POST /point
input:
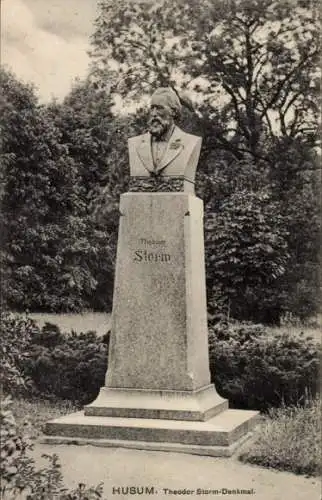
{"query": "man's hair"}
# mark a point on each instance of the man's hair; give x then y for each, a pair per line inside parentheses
(167, 97)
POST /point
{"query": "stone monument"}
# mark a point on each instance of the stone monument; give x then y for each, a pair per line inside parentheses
(157, 393)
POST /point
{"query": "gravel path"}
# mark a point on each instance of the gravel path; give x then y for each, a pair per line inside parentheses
(163, 473)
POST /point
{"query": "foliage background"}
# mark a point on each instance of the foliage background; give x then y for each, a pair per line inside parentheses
(250, 69)
(250, 365)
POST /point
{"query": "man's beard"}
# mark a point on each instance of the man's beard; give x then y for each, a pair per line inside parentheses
(158, 126)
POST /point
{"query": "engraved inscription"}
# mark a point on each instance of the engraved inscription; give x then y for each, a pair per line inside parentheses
(146, 256)
(144, 241)
(153, 254)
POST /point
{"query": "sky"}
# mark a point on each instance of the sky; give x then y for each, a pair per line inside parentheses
(46, 42)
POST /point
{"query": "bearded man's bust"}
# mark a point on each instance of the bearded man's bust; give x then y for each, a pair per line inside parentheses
(165, 158)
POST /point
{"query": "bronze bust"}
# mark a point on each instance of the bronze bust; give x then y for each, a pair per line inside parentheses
(165, 158)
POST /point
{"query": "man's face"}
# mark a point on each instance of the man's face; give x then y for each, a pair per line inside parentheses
(160, 120)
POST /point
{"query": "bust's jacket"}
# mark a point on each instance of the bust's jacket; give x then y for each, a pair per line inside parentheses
(180, 158)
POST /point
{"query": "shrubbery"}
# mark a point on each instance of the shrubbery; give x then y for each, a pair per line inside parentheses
(16, 334)
(258, 370)
(251, 366)
(20, 478)
(50, 363)
(67, 366)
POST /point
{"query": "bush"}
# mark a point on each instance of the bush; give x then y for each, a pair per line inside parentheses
(13, 444)
(48, 363)
(16, 334)
(246, 249)
(67, 366)
(252, 366)
(289, 439)
(19, 476)
(257, 370)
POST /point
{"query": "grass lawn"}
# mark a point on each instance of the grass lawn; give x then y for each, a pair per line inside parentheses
(307, 331)
(101, 322)
(32, 415)
(289, 439)
(98, 322)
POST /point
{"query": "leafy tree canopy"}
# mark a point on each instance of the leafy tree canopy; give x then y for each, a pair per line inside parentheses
(252, 64)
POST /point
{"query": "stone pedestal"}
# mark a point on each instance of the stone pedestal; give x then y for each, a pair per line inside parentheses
(159, 324)
(157, 388)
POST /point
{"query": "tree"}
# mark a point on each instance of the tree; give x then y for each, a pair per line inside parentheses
(64, 167)
(252, 67)
(256, 61)
(296, 181)
(263, 56)
(247, 254)
(96, 143)
(42, 207)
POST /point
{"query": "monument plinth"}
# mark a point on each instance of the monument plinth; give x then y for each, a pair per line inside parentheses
(158, 394)
(158, 357)
(159, 312)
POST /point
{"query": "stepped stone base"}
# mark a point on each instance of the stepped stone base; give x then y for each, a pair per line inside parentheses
(212, 451)
(218, 436)
(157, 392)
(199, 405)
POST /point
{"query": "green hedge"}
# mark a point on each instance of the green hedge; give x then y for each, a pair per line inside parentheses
(67, 366)
(250, 366)
(51, 364)
(256, 369)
